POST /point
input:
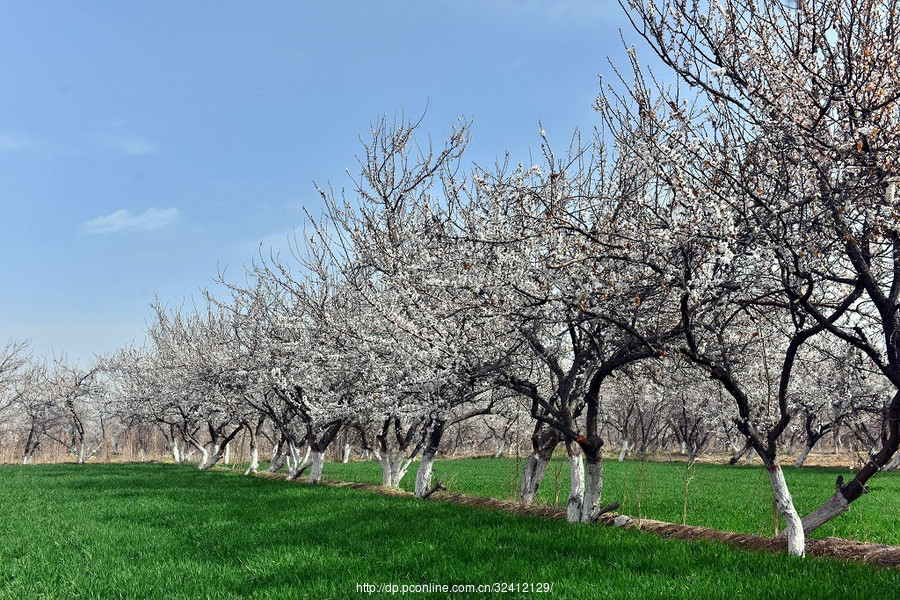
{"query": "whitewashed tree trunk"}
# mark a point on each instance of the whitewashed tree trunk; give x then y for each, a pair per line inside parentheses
(576, 489)
(424, 474)
(803, 455)
(683, 448)
(835, 506)
(226, 455)
(253, 467)
(626, 446)
(318, 461)
(393, 468)
(532, 477)
(296, 464)
(176, 452)
(345, 453)
(894, 463)
(500, 448)
(795, 536)
(593, 489)
(204, 459)
(278, 456)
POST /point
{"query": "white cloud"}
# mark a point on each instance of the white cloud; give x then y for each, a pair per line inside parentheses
(129, 144)
(122, 220)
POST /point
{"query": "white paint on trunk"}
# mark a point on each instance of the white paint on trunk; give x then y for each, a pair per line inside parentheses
(501, 446)
(835, 506)
(803, 455)
(625, 448)
(424, 474)
(532, 477)
(253, 467)
(593, 490)
(204, 458)
(576, 489)
(393, 468)
(278, 456)
(296, 464)
(318, 461)
(227, 454)
(751, 454)
(345, 454)
(785, 504)
(894, 463)
(176, 452)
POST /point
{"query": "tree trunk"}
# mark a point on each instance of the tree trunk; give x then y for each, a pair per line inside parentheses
(425, 473)
(593, 489)
(426, 465)
(501, 446)
(393, 468)
(576, 489)
(857, 486)
(214, 458)
(751, 454)
(738, 454)
(836, 505)
(802, 458)
(318, 461)
(278, 456)
(345, 453)
(625, 447)
(532, 477)
(895, 462)
(296, 465)
(176, 452)
(795, 536)
(253, 467)
(204, 459)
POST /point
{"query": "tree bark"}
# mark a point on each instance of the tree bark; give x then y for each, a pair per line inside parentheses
(593, 489)
(544, 441)
(204, 458)
(532, 477)
(393, 468)
(625, 447)
(424, 473)
(857, 486)
(576, 488)
(802, 458)
(795, 535)
(278, 456)
(318, 461)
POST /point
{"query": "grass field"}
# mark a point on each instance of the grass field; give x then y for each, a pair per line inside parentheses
(730, 498)
(162, 531)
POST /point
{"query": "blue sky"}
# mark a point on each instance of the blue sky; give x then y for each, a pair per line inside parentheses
(144, 146)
